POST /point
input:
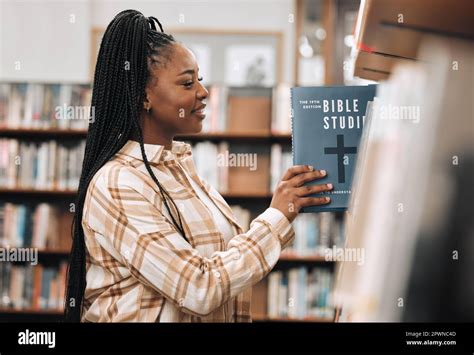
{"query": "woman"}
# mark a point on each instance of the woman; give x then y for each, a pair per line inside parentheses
(153, 241)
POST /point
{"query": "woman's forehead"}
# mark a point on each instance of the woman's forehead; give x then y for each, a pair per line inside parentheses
(182, 59)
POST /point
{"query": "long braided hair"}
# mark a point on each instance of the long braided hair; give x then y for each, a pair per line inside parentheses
(131, 45)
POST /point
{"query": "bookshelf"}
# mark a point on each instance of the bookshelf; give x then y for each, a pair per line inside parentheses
(253, 121)
(266, 133)
(390, 32)
(414, 50)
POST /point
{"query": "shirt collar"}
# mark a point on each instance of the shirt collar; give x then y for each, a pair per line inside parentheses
(156, 153)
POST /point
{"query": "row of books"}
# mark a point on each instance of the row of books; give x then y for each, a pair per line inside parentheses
(40, 165)
(39, 225)
(281, 159)
(43, 106)
(316, 234)
(32, 287)
(300, 292)
(281, 109)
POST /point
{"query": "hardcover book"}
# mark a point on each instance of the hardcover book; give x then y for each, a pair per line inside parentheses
(327, 124)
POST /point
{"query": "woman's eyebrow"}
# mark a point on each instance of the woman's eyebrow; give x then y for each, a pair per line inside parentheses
(188, 71)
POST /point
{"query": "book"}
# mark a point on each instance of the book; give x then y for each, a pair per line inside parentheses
(327, 124)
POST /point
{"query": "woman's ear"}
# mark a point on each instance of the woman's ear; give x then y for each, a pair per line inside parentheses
(146, 102)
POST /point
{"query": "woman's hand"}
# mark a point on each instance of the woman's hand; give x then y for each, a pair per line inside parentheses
(289, 194)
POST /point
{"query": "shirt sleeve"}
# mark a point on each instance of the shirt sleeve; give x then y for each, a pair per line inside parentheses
(157, 255)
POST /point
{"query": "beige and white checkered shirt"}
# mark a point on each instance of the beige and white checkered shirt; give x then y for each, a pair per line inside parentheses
(140, 268)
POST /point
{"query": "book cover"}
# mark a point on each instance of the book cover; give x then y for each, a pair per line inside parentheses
(327, 124)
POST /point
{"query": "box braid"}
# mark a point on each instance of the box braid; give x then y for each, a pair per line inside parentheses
(131, 45)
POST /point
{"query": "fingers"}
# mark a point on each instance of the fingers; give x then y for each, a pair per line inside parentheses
(312, 189)
(300, 179)
(295, 170)
(313, 201)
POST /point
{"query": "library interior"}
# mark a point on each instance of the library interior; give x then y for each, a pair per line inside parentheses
(402, 248)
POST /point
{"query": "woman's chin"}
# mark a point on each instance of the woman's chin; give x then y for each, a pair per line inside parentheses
(194, 128)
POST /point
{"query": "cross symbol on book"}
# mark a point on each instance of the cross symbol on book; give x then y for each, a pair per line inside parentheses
(341, 151)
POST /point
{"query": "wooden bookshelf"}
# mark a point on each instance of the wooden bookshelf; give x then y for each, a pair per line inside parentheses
(31, 311)
(244, 129)
(391, 32)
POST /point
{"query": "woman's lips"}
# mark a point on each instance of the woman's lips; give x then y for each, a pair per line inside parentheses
(200, 113)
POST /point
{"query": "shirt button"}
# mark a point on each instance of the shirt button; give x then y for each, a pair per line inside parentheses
(217, 274)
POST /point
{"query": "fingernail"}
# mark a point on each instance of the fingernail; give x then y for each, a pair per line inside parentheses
(310, 168)
(327, 199)
(329, 186)
(323, 172)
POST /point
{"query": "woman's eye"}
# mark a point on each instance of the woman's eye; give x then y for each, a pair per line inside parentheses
(190, 83)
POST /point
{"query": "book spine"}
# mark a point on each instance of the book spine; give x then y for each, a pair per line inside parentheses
(292, 117)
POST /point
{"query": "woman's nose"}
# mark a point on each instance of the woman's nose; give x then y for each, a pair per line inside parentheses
(202, 93)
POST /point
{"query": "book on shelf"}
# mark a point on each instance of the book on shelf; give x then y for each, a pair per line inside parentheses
(45, 106)
(41, 165)
(281, 109)
(40, 225)
(300, 292)
(280, 160)
(327, 124)
(30, 287)
(316, 235)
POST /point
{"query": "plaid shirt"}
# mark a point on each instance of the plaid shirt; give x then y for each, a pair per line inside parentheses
(140, 268)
